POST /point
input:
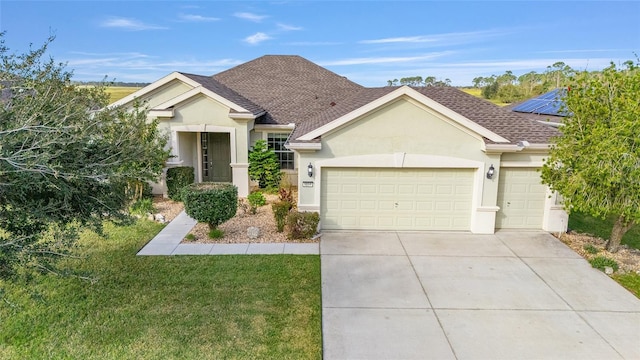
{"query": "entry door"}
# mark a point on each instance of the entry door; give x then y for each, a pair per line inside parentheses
(216, 157)
(521, 197)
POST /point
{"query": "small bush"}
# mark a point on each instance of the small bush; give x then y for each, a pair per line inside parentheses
(178, 178)
(141, 207)
(280, 211)
(256, 199)
(600, 262)
(590, 249)
(211, 203)
(216, 234)
(190, 237)
(302, 225)
(286, 194)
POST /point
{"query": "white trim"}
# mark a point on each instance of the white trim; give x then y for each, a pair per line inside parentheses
(501, 148)
(208, 128)
(245, 116)
(154, 86)
(206, 92)
(301, 147)
(161, 113)
(273, 128)
(403, 91)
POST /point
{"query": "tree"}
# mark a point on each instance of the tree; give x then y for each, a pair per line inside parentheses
(595, 164)
(264, 166)
(65, 159)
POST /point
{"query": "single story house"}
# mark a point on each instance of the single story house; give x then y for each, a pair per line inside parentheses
(387, 158)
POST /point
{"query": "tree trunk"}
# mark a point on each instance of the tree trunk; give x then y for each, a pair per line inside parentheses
(620, 228)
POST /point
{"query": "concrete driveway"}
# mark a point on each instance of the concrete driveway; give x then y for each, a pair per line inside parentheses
(512, 295)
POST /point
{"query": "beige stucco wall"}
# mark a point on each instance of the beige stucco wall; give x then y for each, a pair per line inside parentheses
(403, 126)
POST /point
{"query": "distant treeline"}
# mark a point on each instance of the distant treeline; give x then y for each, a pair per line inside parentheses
(114, 83)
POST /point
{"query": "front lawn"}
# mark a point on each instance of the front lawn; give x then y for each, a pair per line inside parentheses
(602, 228)
(180, 307)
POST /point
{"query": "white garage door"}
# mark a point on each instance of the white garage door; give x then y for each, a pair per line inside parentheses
(521, 198)
(396, 199)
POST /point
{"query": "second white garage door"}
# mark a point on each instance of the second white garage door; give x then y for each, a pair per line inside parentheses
(396, 199)
(521, 197)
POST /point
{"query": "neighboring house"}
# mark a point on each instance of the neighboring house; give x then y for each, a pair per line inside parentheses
(389, 158)
(546, 108)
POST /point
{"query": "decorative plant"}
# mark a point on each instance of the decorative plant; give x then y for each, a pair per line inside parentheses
(264, 166)
(256, 199)
(211, 203)
(177, 178)
(280, 211)
(302, 225)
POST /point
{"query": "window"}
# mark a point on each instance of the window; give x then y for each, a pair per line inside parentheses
(276, 142)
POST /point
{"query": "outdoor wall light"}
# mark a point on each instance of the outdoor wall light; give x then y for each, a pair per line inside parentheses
(491, 171)
(310, 170)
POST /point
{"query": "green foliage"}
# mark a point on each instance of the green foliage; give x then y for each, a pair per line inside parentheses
(594, 164)
(211, 203)
(65, 158)
(256, 199)
(216, 234)
(142, 207)
(302, 225)
(264, 166)
(280, 211)
(590, 249)
(190, 237)
(631, 281)
(600, 262)
(177, 178)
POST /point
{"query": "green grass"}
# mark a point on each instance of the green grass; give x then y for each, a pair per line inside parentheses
(586, 224)
(118, 92)
(478, 93)
(631, 281)
(178, 307)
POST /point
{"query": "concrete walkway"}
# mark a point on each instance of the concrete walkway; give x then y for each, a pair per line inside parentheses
(168, 242)
(512, 295)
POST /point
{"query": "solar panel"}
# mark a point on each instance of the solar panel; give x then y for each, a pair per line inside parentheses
(545, 104)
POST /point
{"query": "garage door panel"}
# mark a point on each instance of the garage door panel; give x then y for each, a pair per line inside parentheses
(400, 199)
(521, 198)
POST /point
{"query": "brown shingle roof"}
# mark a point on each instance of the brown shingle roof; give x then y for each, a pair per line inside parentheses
(290, 88)
(503, 122)
(211, 84)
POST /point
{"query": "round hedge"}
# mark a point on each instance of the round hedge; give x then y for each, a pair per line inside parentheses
(211, 203)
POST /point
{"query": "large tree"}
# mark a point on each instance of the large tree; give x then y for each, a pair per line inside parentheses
(595, 163)
(65, 159)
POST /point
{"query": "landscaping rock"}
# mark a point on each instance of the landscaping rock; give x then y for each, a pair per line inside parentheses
(608, 270)
(253, 232)
(150, 217)
(159, 218)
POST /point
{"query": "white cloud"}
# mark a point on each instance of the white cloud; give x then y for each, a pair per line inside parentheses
(447, 38)
(196, 18)
(384, 60)
(250, 16)
(285, 27)
(129, 24)
(257, 38)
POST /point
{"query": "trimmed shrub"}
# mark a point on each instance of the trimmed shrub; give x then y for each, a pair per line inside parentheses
(280, 211)
(178, 178)
(302, 225)
(211, 203)
(216, 234)
(256, 199)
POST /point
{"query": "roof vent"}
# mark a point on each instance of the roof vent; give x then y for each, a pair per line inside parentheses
(332, 104)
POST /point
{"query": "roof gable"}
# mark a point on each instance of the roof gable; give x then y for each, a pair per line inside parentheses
(388, 95)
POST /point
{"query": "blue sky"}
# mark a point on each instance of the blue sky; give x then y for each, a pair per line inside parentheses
(370, 42)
